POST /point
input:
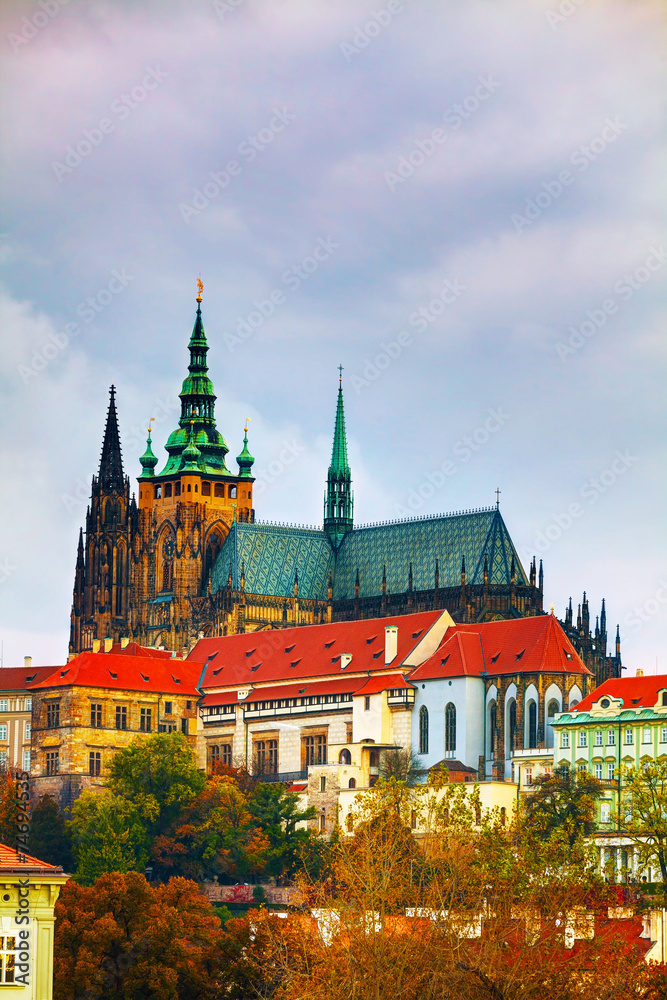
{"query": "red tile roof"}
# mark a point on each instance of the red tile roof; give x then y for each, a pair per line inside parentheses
(640, 692)
(9, 862)
(18, 678)
(511, 646)
(134, 649)
(383, 682)
(340, 685)
(126, 673)
(307, 651)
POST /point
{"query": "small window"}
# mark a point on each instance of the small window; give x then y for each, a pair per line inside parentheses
(52, 762)
(605, 703)
(323, 784)
(158, 492)
(503, 815)
(28, 730)
(663, 734)
(95, 763)
(598, 737)
(646, 736)
(564, 741)
(423, 730)
(232, 493)
(177, 489)
(352, 783)
(26, 760)
(188, 706)
(53, 715)
(629, 739)
(413, 819)
(4, 705)
(345, 757)
(206, 489)
(184, 726)
(664, 698)
(8, 956)
(611, 738)
(528, 776)
(96, 716)
(598, 772)
(367, 703)
(583, 738)
(28, 705)
(323, 820)
(219, 490)
(168, 708)
(605, 812)
(167, 489)
(145, 720)
(3, 732)
(611, 770)
(121, 717)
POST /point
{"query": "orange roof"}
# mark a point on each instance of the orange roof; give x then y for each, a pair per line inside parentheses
(383, 682)
(134, 649)
(633, 691)
(18, 678)
(511, 646)
(126, 673)
(339, 685)
(12, 861)
(307, 651)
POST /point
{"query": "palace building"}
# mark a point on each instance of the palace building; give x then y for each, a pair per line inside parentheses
(187, 557)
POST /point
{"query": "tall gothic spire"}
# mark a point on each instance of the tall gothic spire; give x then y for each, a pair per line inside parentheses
(111, 461)
(339, 499)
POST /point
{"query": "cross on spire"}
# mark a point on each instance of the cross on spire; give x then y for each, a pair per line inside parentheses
(498, 492)
(340, 373)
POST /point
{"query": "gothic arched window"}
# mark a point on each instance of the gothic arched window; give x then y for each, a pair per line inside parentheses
(532, 725)
(345, 757)
(450, 730)
(423, 729)
(511, 725)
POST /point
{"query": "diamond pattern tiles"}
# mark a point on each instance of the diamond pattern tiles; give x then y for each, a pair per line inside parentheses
(270, 554)
(446, 538)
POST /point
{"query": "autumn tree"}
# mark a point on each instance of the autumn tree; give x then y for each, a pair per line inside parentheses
(645, 811)
(564, 802)
(276, 814)
(159, 776)
(402, 764)
(123, 938)
(8, 829)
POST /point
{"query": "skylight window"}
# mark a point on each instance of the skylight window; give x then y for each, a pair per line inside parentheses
(145, 678)
(568, 654)
(250, 652)
(519, 655)
(371, 639)
(294, 663)
(379, 653)
(328, 645)
(64, 673)
(256, 667)
(494, 658)
(115, 676)
(175, 679)
(288, 649)
(216, 672)
(415, 635)
(30, 678)
(212, 656)
(444, 660)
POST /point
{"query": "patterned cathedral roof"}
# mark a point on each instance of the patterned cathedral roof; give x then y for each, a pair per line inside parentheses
(270, 555)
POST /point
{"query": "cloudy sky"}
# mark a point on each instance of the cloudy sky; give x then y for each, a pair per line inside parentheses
(457, 200)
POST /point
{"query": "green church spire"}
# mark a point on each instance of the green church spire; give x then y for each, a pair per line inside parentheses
(339, 498)
(148, 460)
(196, 426)
(245, 459)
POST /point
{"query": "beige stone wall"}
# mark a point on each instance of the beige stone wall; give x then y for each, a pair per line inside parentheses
(75, 738)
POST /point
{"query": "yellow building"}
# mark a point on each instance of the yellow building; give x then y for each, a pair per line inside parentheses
(28, 892)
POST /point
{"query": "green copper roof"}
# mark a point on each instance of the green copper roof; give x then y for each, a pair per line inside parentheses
(339, 463)
(148, 460)
(245, 459)
(447, 538)
(270, 554)
(196, 425)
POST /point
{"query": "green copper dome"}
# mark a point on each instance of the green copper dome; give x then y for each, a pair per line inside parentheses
(196, 425)
(148, 460)
(245, 459)
(191, 454)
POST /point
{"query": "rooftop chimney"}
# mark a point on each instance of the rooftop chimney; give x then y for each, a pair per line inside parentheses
(27, 662)
(345, 659)
(124, 642)
(390, 643)
(639, 673)
(96, 645)
(108, 643)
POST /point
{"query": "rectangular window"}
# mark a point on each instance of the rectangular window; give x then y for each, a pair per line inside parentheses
(28, 704)
(582, 738)
(528, 775)
(8, 951)
(663, 734)
(598, 737)
(28, 730)
(52, 762)
(96, 716)
(3, 732)
(315, 748)
(564, 741)
(598, 772)
(188, 706)
(145, 720)
(348, 732)
(611, 738)
(323, 784)
(95, 763)
(605, 812)
(646, 737)
(3, 760)
(121, 717)
(168, 708)
(611, 770)
(26, 760)
(582, 769)
(628, 737)
(4, 705)
(367, 703)
(184, 726)
(53, 715)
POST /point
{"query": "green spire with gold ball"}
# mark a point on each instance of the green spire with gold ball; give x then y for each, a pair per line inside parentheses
(245, 459)
(339, 498)
(148, 459)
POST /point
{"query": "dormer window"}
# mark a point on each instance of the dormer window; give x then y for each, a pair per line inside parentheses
(664, 699)
(519, 655)
(605, 703)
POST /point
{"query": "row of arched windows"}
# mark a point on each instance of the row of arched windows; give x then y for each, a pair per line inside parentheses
(450, 730)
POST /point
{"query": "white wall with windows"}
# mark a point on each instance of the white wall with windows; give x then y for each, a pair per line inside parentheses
(454, 714)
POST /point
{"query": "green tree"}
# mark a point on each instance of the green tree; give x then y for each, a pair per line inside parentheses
(108, 834)
(563, 803)
(50, 838)
(276, 813)
(159, 775)
(645, 810)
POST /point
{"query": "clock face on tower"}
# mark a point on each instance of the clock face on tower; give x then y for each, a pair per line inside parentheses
(168, 548)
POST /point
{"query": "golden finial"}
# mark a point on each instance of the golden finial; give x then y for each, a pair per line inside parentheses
(551, 610)
(247, 421)
(200, 289)
(149, 426)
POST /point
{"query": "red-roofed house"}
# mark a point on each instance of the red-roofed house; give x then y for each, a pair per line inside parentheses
(15, 713)
(86, 710)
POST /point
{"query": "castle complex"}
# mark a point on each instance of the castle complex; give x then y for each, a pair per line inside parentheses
(188, 559)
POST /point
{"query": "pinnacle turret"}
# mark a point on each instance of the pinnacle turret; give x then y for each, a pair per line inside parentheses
(339, 499)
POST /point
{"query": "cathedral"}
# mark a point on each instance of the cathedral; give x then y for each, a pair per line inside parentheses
(188, 558)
